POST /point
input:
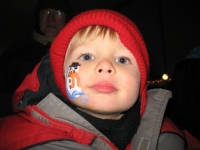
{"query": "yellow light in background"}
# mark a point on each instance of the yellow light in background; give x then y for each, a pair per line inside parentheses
(164, 76)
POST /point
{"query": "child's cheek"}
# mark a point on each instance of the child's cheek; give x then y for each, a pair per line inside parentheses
(73, 83)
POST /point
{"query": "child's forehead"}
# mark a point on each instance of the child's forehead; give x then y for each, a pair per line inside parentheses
(90, 33)
(96, 40)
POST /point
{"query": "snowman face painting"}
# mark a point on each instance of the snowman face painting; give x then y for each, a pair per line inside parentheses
(73, 84)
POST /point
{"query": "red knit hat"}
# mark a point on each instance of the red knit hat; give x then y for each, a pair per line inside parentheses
(128, 33)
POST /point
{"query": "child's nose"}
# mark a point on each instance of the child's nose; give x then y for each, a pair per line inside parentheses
(105, 66)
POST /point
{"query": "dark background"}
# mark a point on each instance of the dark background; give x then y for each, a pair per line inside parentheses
(170, 28)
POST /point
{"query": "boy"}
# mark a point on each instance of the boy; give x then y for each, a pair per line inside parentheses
(100, 64)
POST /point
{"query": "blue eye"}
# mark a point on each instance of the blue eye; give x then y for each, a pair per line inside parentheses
(86, 57)
(122, 60)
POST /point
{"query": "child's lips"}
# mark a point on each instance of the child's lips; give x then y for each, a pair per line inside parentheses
(104, 87)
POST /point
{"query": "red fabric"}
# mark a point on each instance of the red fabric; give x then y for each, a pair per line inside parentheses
(129, 35)
(192, 142)
(31, 82)
(14, 135)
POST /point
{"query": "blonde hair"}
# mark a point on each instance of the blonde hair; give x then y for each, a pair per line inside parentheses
(90, 33)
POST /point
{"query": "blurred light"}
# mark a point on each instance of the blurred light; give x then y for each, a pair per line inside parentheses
(164, 76)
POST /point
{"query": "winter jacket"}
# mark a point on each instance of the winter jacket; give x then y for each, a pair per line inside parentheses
(44, 121)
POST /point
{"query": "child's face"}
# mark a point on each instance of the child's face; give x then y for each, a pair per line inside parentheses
(109, 78)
